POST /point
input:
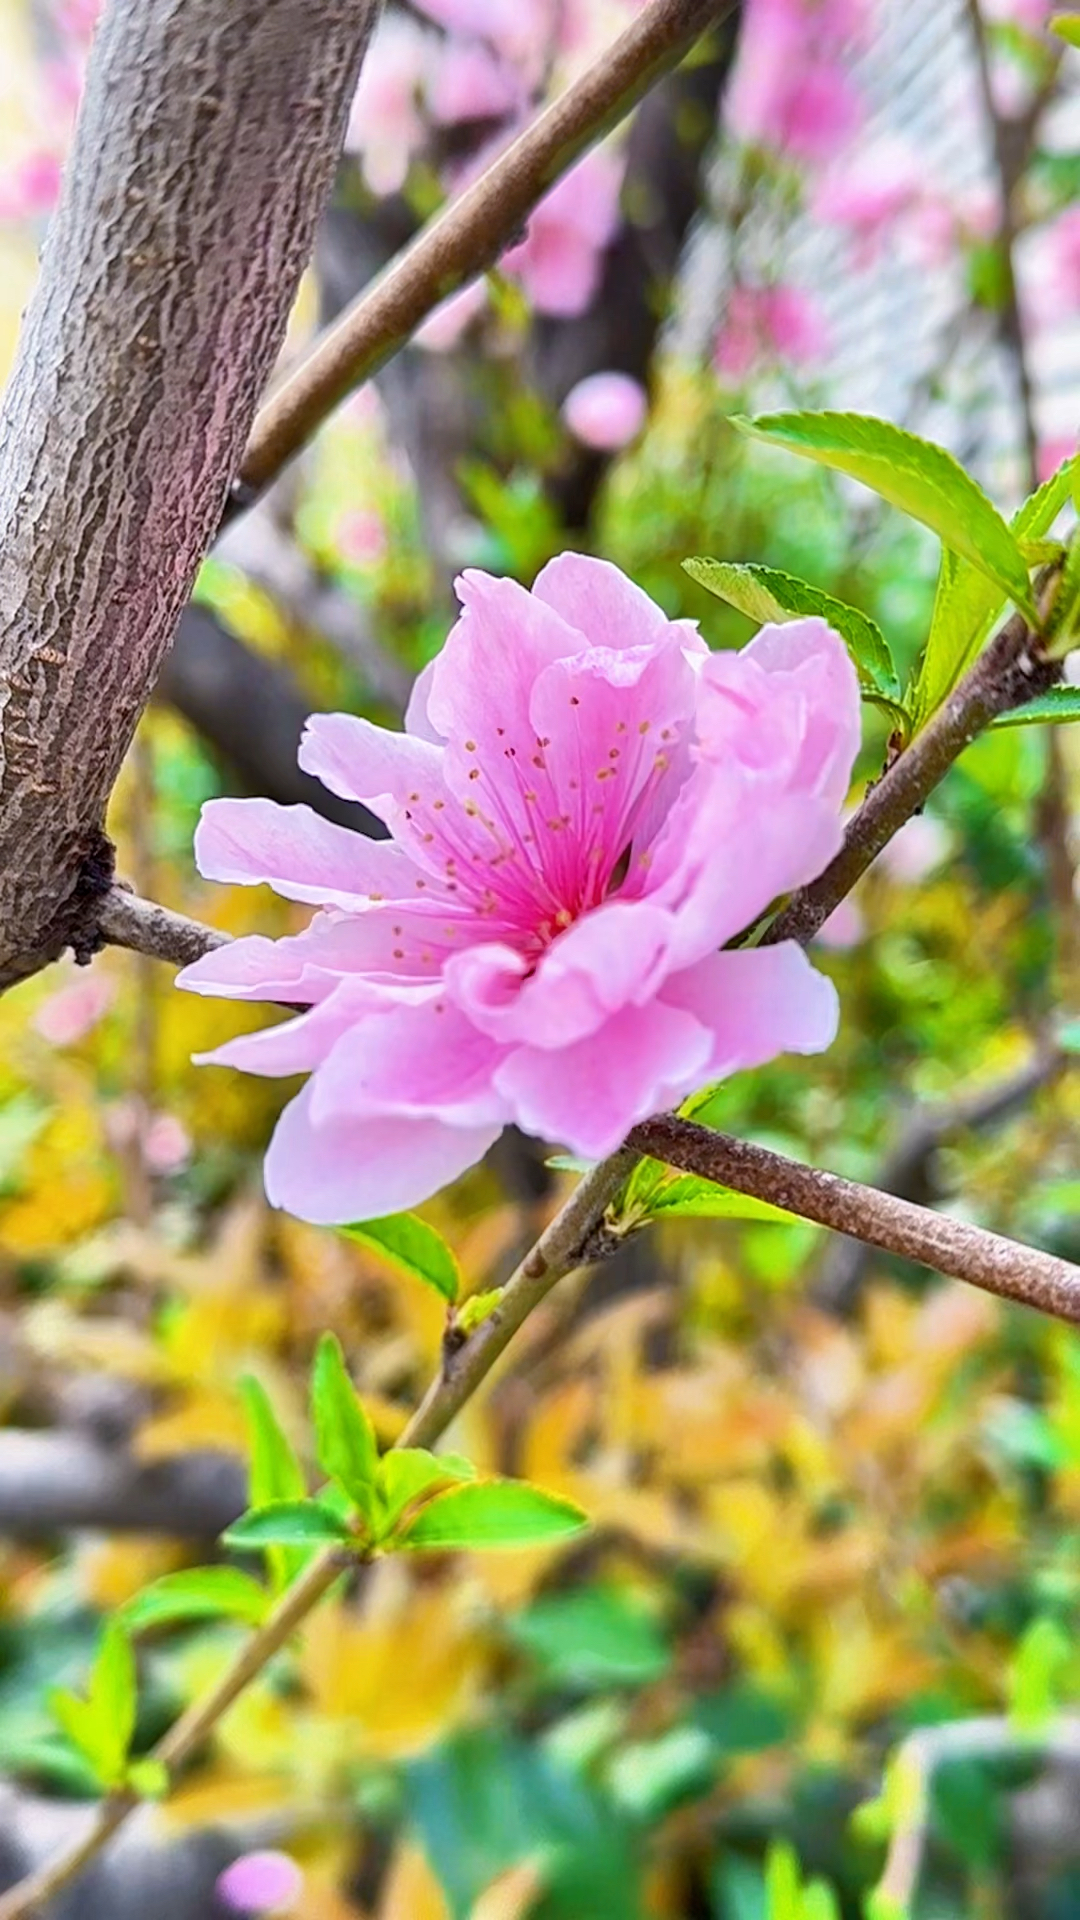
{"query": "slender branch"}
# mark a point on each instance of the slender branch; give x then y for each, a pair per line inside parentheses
(124, 920)
(469, 236)
(988, 1738)
(1009, 672)
(954, 1247)
(907, 1170)
(556, 1252)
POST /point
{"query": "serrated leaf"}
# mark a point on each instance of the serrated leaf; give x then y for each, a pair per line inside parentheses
(414, 1247)
(274, 1473)
(288, 1523)
(198, 1593)
(345, 1440)
(922, 479)
(765, 594)
(407, 1473)
(1056, 706)
(1066, 26)
(688, 1197)
(492, 1513)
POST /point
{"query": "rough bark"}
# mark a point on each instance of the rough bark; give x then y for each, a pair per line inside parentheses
(205, 150)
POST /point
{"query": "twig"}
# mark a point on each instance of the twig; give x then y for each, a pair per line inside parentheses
(469, 236)
(556, 1252)
(983, 1259)
(1008, 673)
(921, 1754)
(907, 1168)
(125, 920)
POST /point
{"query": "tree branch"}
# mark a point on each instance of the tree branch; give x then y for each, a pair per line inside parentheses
(205, 149)
(983, 1259)
(470, 234)
(143, 927)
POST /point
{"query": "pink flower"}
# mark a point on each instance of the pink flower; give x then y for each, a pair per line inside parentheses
(469, 83)
(844, 928)
(386, 126)
(73, 1012)
(790, 88)
(1053, 451)
(443, 329)
(261, 1883)
(888, 184)
(585, 806)
(559, 260)
(767, 323)
(605, 410)
(33, 187)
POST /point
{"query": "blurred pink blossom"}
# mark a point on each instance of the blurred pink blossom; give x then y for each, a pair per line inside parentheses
(922, 844)
(261, 1883)
(32, 188)
(469, 83)
(767, 323)
(606, 410)
(1053, 451)
(386, 124)
(869, 200)
(361, 536)
(559, 261)
(166, 1144)
(443, 329)
(791, 88)
(585, 806)
(844, 928)
(70, 1014)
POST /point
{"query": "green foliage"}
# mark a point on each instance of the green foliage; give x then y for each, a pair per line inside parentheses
(100, 1725)
(492, 1513)
(413, 1247)
(407, 1474)
(1056, 706)
(1039, 1668)
(197, 1593)
(1066, 26)
(274, 1474)
(288, 1523)
(766, 594)
(656, 1192)
(922, 479)
(597, 1638)
(344, 1438)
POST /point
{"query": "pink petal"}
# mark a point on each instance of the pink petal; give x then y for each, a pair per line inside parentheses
(757, 1002)
(589, 1095)
(299, 1045)
(422, 1057)
(360, 1169)
(610, 958)
(260, 1883)
(606, 608)
(818, 670)
(299, 854)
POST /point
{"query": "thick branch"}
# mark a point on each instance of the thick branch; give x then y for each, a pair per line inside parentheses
(469, 236)
(985, 1260)
(205, 149)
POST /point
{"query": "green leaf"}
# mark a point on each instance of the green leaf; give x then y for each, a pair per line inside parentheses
(288, 1523)
(476, 1309)
(1038, 1675)
(199, 1593)
(1056, 705)
(344, 1437)
(766, 594)
(101, 1725)
(1066, 26)
(275, 1473)
(593, 1637)
(413, 1246)
(407, 1473)
(921, 479)
(782, 1882)
(967, 605)
(149, 1777)
(493, 1513)
(689, 1197)
(1069, 1037)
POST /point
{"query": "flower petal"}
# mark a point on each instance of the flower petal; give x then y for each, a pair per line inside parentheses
(589, 1095)
(606, 608)
(360, 1169)
(757, 1002)
(300, 855)
(418, 1057)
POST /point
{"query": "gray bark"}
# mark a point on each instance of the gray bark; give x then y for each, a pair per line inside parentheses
(205, 150)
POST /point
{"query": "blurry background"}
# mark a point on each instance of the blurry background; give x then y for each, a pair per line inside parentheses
(837, 1500)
